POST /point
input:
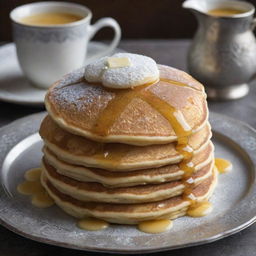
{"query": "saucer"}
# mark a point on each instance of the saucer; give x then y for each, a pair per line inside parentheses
(15, 88)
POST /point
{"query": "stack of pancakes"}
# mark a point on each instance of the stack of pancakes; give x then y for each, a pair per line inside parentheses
(129, 155)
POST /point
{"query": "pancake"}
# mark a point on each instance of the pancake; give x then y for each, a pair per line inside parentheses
(115, 156)
(130, 213)
(141, 116)
(96, 192)
(126, 179)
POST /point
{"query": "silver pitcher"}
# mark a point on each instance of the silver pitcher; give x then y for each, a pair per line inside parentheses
(223, 53)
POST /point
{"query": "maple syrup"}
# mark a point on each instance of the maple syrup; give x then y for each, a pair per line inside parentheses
(199, 209)
(33, 187)
(115, 108)
(155, 226)
(92, 224)
(223, 165)
(182, 130)
(33, 174)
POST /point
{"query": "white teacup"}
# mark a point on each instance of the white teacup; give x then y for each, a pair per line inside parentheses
(48, 52)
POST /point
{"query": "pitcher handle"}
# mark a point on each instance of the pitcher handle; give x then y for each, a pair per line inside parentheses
(253, 24)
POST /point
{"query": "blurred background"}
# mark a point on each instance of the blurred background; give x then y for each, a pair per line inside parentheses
(161, 19)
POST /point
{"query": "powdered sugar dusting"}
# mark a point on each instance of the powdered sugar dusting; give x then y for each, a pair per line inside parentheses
(81, 97)
(72, 91)
(94, 71)
(142, 70)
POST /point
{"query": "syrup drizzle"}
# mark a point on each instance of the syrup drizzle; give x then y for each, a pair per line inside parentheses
(169, 81)
(182, 130)
(182, 146)
(115, 108)
(199, 209)
(123, 97)
(33, 187)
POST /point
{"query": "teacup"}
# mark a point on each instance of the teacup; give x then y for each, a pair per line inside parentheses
(47, 52)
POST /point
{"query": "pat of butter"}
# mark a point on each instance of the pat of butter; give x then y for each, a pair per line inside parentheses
(118, 62)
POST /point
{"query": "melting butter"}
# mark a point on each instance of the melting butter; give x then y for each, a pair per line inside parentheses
(92, 224)
(33, 187)
(115, 62)
(155, 226)
(223, 165)
(200, 209)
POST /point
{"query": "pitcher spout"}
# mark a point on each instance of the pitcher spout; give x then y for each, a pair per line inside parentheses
(198, 8)
(194, 5)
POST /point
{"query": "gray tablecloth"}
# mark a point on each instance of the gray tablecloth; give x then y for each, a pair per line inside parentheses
(169, 52)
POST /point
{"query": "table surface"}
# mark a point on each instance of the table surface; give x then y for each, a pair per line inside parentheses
(168, 52)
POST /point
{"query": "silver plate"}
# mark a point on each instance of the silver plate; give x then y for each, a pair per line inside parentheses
(234, 201)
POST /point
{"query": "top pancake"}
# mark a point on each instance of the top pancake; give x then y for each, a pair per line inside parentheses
(133, 116)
